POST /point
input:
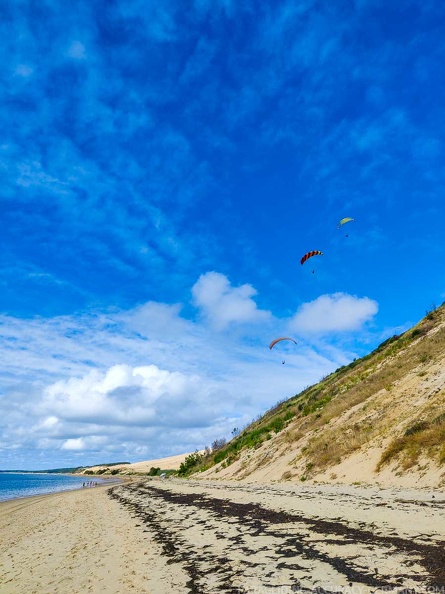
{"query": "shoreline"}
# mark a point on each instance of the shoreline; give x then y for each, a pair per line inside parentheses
(72, 542)
(39, 496)
(112, 481)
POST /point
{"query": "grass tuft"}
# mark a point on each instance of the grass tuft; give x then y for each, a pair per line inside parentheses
(421, 439)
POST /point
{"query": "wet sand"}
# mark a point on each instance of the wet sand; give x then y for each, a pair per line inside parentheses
(176, 536)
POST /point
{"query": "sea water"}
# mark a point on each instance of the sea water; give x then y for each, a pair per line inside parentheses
(14, 485)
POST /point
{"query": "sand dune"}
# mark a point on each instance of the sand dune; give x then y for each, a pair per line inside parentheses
(168, 463)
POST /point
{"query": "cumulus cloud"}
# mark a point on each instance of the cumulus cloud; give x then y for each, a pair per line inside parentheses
(134, 396)
(338, 312)
(93, 442)
(223, 304)
(142, 383)
(74, 444)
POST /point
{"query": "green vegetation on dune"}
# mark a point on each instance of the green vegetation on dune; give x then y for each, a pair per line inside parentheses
(251, 438)
(315, 416)
(313, 412)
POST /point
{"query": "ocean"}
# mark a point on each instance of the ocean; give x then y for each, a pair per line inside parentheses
(14, 485)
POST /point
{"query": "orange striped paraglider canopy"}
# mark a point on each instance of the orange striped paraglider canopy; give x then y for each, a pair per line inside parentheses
(274, 342)
(310, 254)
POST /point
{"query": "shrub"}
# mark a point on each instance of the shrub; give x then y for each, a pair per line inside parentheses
(431, 312)
(190, 464)
(218, 444)
(440, 420)
(387, 342)
(416, 428)
(277, 424)
(219, 457)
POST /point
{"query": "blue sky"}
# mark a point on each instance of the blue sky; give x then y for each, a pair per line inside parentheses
(163, 172)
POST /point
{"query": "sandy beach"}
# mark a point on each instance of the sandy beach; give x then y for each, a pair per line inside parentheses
(201, 537)
(77, 541)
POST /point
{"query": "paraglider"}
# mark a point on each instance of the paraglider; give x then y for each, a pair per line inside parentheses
(309, 255)
(343, 221)
(274, 342)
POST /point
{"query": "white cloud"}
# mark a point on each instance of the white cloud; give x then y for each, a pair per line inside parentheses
(223, 304)
(74, 444)
(50, 422)
(157, 320)
(134, 396)
(82, 444)
(143, 383)
(338, 312)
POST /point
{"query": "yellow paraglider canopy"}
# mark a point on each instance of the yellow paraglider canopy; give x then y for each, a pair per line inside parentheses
(343, 221)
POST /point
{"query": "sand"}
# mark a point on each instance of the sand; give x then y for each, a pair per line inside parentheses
(202, 537)
(77, 542)
(169, 463)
